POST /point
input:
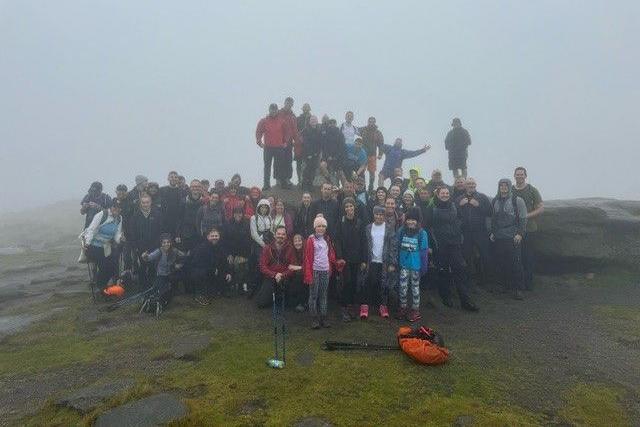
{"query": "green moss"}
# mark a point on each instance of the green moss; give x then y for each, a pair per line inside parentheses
(594, 405)
(623, 322)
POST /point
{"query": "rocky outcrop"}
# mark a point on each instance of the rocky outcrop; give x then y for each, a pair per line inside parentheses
(590, 232)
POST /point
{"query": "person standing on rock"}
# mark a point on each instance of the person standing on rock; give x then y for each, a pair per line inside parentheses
(456, 143)
(372, 140)
(95, 201)
(299, 149)
(270, 136)
(292, 140)
(313, 140)
(508, 226)
(348, 129)
(394, 156)
(535, 207)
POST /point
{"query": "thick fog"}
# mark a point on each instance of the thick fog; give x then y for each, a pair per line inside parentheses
(106, 90)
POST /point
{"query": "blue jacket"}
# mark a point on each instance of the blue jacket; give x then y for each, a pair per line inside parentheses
(412, 250)
(359, 157)
(395, 155)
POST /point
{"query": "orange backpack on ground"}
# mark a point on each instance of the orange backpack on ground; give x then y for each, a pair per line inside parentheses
(422, 345)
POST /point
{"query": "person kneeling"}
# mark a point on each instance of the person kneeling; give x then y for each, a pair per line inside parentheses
(275, 259)
(209, 267)
(168, 264)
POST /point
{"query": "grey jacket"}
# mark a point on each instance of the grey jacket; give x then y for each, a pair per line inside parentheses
(505, 224)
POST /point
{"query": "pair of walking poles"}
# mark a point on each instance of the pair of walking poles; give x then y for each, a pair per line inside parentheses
(279, 333)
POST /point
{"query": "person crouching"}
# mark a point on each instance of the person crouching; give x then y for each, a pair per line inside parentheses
(319, 262)
(209, 267)
(168, 262)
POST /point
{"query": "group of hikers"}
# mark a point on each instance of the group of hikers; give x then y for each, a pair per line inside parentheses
(373, 248)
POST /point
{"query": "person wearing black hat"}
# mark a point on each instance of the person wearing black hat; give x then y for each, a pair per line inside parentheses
(93, 202)
(456, 143)
(446, 237)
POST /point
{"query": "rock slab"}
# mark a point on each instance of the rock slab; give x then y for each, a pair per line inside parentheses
(88, 398)
(154, 410)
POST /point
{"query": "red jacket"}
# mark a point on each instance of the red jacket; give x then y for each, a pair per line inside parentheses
(232, 202)
(307, 267)
(273, 262)
(273, 129)
(291, 134)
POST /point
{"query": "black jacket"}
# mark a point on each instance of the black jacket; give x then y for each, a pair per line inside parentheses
(237, 238)
(171, 201)
(456, 143)
(211, 258)
(145, 231)
(188, 227)
(303, 221)
(329, 209)
(351, 241)
(333, 145)
(312, 140)
(445, 225)
(474, 218)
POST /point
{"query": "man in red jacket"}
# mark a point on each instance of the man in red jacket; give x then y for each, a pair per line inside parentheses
(275, 260)
(270, 136)
(291, 138)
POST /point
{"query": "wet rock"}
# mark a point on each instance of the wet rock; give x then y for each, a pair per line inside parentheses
(574, 234)
(252, 406)
(305, 359)
(312, 422)
(186, 348)
(88, 398)
(154, 410)
(463, 421)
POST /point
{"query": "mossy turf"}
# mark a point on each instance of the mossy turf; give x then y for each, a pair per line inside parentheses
(228, 382)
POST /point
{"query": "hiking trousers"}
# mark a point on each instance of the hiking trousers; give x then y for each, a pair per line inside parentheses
(350, 276)
(477, 240)
(276, 156)
(528, 259)
(509, 263)
(409, 279)
(106, 266)
(374, 292)
(452, 272)
(319, 293)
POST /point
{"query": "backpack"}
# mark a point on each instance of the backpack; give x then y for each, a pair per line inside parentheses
(514, 203)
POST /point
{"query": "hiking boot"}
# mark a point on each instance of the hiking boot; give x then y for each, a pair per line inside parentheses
(517, 295)
(202, 300)
(300, 308)
(324, 323)
(414, 316)
(364, 312)
(384, 311)
(469, 306)
(401, 314)
(315, 324)
(345, 315)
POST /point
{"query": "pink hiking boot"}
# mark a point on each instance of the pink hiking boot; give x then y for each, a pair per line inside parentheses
(364, 312)
(384, 311)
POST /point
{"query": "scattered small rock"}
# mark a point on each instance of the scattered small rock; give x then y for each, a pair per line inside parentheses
(305, 359)
(312, 422)
(186, 348)
(86, 399)
(463, 421)
(154, 410)
(252, 406)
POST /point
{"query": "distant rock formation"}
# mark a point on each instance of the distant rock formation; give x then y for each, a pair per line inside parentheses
(592, 232)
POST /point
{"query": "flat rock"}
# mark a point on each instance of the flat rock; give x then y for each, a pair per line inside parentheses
(88, 398)
(152, 411)
(312, 422)
(186, 348)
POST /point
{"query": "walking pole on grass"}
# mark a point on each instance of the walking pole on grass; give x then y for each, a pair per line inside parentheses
(275, 362)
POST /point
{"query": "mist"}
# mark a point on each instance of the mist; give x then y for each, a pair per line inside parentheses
(108, 90)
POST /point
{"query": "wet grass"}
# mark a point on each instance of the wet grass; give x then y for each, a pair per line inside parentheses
(595, 405)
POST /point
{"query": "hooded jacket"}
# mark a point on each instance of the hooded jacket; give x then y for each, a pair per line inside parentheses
(456, 143)
(260, 224)
(351, 240)
(509, 214)
(372, 139)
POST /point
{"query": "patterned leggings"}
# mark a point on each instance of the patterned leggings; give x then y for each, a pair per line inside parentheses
(409, 278)
(318, 293)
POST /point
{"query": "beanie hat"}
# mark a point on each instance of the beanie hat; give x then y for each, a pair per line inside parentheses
(141, 179)
(378, 210)
(412, 214)
(319, 221)
(348, 201)
(410, 193)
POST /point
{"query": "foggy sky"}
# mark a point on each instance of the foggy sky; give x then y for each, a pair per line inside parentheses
(106, 90)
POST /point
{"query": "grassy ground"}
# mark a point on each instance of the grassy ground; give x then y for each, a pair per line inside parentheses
(503, 370)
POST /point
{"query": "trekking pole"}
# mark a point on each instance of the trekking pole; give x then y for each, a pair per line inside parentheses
(92, 283)
(275, 362)
(337, 345)
(284, 330)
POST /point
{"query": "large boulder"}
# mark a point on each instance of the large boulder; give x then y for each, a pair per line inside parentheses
(583, 233)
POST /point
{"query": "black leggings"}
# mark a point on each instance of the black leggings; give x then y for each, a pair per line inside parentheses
(349, 283)
(106, 266)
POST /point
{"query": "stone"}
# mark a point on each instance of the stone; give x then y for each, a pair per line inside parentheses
(463, 421)
(187, 347)
(312, 422)
(152, 411)
(88, 398)
(581, 233)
